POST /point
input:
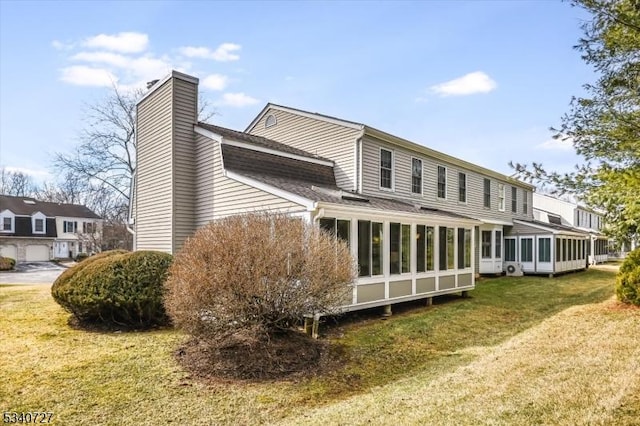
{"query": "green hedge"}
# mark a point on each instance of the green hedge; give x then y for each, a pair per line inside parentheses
(7, 263)
(628, 280)
(116, 288)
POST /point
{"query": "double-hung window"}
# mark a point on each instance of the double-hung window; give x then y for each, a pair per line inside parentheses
(386, 169)
(487, 193)
(514, 199)
(501, 195)
(69, 226)
(416, 176)
(525, 201)
(442, 182)
(462, 187)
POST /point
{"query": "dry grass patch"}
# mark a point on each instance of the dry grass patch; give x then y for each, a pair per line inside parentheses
(581, 366)
(421, 355)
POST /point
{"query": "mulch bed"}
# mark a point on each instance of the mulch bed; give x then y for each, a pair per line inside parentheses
(287, 355)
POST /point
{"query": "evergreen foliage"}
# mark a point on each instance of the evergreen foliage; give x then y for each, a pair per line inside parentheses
(115, 288)
(628, 280)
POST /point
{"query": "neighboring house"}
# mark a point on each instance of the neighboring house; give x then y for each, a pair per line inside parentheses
(585, 220)
(419, 222)
(32, 230)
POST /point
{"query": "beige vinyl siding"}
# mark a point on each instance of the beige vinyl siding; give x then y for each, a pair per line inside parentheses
(154, 222)
(474, 207)
(328, 140)
(205, 149)
(184, 163)
(233, 197)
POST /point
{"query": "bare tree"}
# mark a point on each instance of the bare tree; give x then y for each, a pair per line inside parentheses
(103, 163)
(16, 183)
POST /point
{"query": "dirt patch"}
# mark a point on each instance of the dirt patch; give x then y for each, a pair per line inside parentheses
(288, 355)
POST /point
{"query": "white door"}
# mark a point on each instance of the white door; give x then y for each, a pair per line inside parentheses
(545, 254)
(491, 241)
(60, 249)
(9, 250)
(527, 254)
(37, 253)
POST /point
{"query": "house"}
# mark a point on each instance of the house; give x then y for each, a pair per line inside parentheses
(584, 219)
(419, 222)
(33, 230)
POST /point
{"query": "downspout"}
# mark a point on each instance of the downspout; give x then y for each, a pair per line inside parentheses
(359, 162)
(131, 219)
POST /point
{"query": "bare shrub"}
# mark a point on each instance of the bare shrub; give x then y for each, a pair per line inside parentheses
(256, 274)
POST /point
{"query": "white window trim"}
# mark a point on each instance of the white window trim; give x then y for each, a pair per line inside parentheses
(421, 176)
(446, 172)
(34, 217)
(65, 229)
(502, 200)
(7, 213)
(266, 121)
(393, 170)
(466, 188)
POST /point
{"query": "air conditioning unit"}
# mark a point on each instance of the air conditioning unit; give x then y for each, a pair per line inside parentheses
(513, 269)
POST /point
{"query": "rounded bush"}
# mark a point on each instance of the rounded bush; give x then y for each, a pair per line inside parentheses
(7, 263)
(628, 280)
(116, 288)
(257, 273)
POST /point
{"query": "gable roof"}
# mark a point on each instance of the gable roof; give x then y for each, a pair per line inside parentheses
(394, 140)
(26, 206)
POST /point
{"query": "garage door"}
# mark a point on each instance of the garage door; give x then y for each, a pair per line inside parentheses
(9, 250)
(37, 253)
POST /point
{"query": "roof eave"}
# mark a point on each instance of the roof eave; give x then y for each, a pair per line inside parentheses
(395, 140)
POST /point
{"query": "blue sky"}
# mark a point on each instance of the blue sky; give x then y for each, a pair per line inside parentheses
(480, 80)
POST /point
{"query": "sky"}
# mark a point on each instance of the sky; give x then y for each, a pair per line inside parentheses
(479, 80)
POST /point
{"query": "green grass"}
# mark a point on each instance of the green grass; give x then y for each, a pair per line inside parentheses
(132, 378)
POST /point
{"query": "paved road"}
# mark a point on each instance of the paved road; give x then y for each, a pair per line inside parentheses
(32, 273)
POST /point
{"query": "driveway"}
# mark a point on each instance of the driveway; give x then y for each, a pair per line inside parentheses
(32, 273)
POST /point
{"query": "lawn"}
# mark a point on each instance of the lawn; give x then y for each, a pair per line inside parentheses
(518, 351)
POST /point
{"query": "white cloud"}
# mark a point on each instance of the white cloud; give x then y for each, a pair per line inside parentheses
(81, 75)
(560, 144)
(215, 82)
(109, 58)
(222, 54)
(126, 42)
(238, 100)
(469, 84)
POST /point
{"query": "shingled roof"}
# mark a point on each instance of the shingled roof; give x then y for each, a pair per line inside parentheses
(312, 181)
(258, 141)
(26, 206)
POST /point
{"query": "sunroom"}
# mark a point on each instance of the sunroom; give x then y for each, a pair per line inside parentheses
(534, 247)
